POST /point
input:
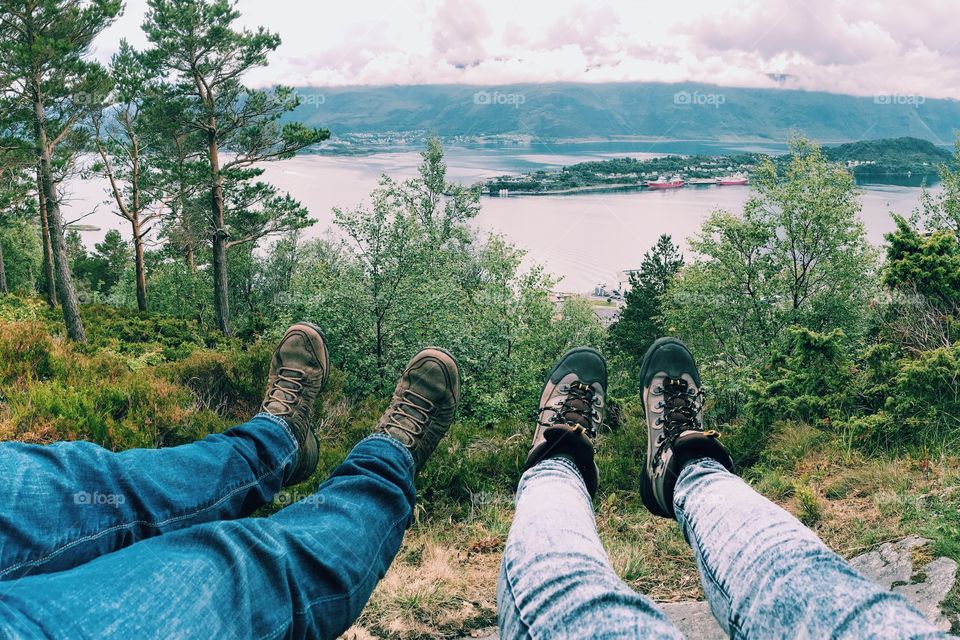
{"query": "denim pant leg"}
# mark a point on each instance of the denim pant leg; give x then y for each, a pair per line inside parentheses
(306, 571)
(556, 580)
(768, 576)
(66, 503)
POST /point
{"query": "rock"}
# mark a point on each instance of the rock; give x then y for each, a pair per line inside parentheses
(941, 574)
(890, 565)
(694, 619)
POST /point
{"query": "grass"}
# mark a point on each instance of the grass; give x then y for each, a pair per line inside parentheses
(951, 608)
(163, 383)
(854, 505)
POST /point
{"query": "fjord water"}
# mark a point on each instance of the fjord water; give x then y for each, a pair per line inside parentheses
(584, 239)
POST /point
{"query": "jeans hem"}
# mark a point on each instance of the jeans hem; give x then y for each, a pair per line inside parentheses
(282, 423)
(396, 444)
(564, 461)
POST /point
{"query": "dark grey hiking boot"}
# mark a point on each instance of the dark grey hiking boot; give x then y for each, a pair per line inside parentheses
(424, 403)
(298, 371)
(673, 403)
(571, 412)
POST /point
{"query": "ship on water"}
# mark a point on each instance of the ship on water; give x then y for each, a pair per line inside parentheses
(736, 179)
(664, 183)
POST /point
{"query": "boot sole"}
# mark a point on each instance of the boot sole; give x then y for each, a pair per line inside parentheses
(326, 350)
(646, 486)
(571, 352)
(314, 451)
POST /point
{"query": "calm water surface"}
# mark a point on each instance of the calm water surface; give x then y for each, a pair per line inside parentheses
(583, 239)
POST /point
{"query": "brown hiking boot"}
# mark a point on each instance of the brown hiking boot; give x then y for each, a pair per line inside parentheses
(673, 403)
(423, 403)
(571, 411)
(297, 372)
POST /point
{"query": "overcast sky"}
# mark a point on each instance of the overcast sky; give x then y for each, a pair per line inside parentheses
(860, 47)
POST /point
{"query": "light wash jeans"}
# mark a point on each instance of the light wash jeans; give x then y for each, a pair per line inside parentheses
(765, 575)
(155, 543)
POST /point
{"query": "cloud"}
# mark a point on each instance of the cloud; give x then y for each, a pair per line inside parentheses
(864, 47)
(459, 30)
(838, 45)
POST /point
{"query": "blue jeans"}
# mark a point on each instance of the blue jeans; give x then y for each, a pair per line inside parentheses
(765, 575)
(82, 553)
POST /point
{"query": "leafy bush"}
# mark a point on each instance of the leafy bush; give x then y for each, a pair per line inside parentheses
(25, 353)
(226, 382)
(807, 381)
(132, 333)
(924, 404)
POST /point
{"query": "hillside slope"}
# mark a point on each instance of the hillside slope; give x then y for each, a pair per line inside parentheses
(671, 111)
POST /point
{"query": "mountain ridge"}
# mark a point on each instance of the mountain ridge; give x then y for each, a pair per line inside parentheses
(693, 111)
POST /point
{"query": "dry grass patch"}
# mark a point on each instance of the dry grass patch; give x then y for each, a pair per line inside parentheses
(435, 589)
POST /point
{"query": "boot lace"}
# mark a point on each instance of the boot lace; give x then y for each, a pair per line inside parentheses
(410, 413)
(681, 412)
(285, 391)
(578, 408)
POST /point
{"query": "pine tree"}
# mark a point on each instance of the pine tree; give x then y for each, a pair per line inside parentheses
(53, 87)
(125, 159)
(639, 323)
(195, 42)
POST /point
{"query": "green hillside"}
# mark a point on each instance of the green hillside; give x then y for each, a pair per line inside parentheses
(672, 111)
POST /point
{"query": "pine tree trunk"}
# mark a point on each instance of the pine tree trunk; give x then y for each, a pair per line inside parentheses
(138, 231)
(221, 301)
(49, 282)
(140, 268)
(64, 281)
(3, 272)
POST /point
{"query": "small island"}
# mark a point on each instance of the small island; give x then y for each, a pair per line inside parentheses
(866, 160)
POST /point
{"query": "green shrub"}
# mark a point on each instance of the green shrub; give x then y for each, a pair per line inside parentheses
(917, 399)
(229, 382)
(810, 509)
(807, 381)
(133, 333)
(789, 443)
(25, 353)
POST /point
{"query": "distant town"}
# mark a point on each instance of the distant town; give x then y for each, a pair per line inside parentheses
(887, 158)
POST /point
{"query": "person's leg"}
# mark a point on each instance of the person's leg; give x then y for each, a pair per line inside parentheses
(764, 573)
(67, 503)
(767, 575)
(556, 579)
(304, 572)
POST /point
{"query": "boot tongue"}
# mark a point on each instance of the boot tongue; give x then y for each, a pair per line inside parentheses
(411, 417)
(287, 392)
(578, 411)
